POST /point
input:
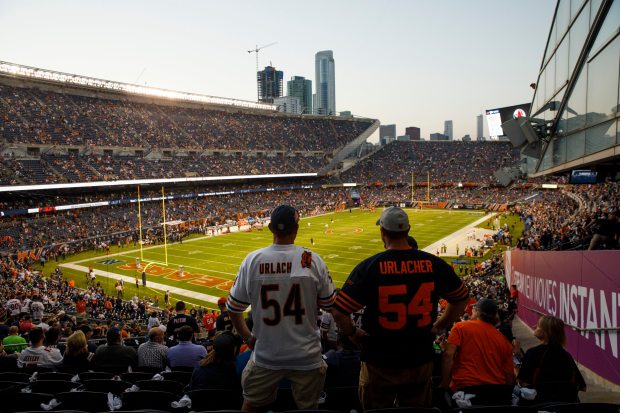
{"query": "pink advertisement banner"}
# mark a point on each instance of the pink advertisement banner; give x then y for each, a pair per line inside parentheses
(580, 287)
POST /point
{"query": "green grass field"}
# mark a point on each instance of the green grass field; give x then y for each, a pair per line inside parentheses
(212, 263)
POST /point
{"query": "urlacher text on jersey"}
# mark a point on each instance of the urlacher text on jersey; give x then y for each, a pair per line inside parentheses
(406, 267)
(275, 267)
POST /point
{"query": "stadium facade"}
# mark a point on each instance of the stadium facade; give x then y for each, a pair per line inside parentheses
(576, 94)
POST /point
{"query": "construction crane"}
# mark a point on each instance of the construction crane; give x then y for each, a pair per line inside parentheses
(256, 50)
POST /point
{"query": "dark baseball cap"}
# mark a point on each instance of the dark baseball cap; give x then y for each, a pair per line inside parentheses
(394, 219)
(284, 218)
(113, 334)
(487, 306)
(224, 345)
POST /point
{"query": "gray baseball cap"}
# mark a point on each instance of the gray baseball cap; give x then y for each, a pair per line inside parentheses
(394, 219)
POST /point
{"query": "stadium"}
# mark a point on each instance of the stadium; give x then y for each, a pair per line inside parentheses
(118, 201)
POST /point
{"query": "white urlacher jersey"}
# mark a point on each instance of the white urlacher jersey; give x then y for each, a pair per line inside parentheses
(285, 285)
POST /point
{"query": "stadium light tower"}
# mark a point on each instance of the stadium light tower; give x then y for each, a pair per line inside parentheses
(256, 50)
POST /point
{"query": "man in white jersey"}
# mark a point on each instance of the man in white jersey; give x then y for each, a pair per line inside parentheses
(13, 306)
(285, 284)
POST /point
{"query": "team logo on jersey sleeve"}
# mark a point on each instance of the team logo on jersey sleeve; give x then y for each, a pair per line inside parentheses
(306, 259)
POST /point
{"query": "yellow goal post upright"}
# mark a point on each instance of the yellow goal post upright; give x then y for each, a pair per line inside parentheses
(428, 190)
(144, 264)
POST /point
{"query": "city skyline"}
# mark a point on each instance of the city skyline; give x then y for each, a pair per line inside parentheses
(458, 59)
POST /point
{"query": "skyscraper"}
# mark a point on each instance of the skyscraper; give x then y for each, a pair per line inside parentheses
(387, 134)
(448, 130)
(413, 132)
(269, 84)
(301, 88)
(479, 133)
(325, 83)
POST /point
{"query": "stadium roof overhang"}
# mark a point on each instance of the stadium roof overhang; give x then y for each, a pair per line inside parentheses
(141, 182)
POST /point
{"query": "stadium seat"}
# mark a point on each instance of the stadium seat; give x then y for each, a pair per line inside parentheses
(84, 400)
(55, 411)
(284, 401)
(95, 375)
(9, 386)
(311, 411)
(494, 409)
(31, 370)
(342, 399)
(136, 376)
(180, 376)
(55, 376)
(139, 411)
(147, 399)
(161, 385)
(106, 385)
(553, 392)
(8, 389)
(25, 401)
(490, 394)
(53, 386)
(8, 364)
(406, 410)
(15, 377)
(219, 411)
(215, 399)
(583, 408)
(183, 368)
(145, 369)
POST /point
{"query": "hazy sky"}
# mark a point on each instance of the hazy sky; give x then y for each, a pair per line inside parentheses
(408, 62)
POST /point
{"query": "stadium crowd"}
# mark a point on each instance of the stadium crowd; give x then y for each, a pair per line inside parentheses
(36, 116)
(85, 168)
(453, 161)
(579, 217)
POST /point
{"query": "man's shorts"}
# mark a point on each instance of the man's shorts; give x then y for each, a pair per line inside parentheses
(260, 385)
(380, 386)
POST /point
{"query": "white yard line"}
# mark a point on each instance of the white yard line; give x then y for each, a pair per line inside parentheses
(153, 285)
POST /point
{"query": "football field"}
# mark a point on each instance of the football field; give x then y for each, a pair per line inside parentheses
(210, 264)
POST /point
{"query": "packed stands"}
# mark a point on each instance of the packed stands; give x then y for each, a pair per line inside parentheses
(572, 218)
(45, 117)
(453, 161)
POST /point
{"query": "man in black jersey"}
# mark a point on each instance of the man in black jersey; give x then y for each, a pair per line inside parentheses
(223, 322)
(180, 320)
(399, 289)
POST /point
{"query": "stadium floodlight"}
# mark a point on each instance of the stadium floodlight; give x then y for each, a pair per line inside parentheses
(14, 69)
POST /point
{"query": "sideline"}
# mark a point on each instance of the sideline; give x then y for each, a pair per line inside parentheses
(458, 236)
(152, 285)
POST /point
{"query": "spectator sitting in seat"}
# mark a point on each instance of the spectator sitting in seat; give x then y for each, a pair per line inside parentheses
(77, 358)
(217, 370)
(14, 342)
(153, 353)
(550, 362)
(114, 357)
(185, 354)
(37, 355)
(476, 353)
